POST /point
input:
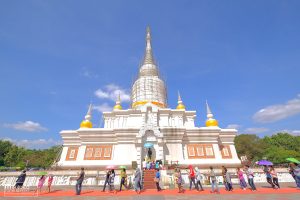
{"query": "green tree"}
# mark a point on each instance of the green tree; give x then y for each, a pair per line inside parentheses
(14, 157)
(249, 145)
(4, 149)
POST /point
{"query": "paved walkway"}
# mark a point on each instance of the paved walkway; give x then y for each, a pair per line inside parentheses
(93, 193)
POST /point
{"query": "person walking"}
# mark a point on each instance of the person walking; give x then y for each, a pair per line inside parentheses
(228, 180)
(240, 174)
(296, 171)
(268, 176)
(41, 182)
(137, 180)
(192, 177)
(198, 178)
(213, 179)
(274, 176)
(157, 179)
(50, 180)
(250, 176)
(224, 178)
(123, 179)
(178, 180)
(106, 179)
(111, 181)
(20, 180)
(79, 182)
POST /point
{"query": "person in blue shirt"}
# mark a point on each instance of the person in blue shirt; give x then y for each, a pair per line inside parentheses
(157, 179)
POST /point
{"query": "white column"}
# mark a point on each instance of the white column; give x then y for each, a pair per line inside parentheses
(217, 151)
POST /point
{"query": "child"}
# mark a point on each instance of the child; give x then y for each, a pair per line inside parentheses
(50, 180)
(275, 177)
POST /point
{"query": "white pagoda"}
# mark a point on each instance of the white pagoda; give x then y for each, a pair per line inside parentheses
(172, 132)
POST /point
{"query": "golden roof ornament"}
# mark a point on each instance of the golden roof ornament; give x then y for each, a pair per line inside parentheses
(86, 123)
(210, 122)
(118, 103)
(180, 105)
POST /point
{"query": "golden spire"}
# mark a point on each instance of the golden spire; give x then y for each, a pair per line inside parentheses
(210, 120)
(180, 105)
(118, 103)
(86, 123)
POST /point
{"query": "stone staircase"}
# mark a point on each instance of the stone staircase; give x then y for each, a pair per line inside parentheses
(148, 176)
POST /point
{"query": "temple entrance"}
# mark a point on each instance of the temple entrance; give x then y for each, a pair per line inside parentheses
(150, 147)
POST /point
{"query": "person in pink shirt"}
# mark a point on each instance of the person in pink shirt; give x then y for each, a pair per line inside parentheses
(240, 174)
(50, 180)
(41, 183)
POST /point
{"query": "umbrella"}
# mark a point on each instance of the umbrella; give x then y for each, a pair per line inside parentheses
(148, 145)
(41, 173)
(110, 167)
(264, 162)
(293, 160)
(122, 167)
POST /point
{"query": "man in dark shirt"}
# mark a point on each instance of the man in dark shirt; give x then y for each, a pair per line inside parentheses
(21, 179)
(106, 179)
(79, 182)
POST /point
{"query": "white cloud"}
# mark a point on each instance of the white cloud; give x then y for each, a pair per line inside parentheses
(292, 132)
(28, 126)
(233, 126)
(35, 144)
(255, 130)
(103, 107)
(112, 91)
(277, 112)
(88, 73)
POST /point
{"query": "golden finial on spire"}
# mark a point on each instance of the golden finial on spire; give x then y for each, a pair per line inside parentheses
(86, 123)
(118, 103)
(180, 105)
(210, 120)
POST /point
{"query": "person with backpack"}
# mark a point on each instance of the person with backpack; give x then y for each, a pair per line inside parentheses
(213, 179)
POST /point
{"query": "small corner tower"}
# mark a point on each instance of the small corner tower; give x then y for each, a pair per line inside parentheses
(210, 122)
(180, 105)
(118, 104)
(86, 123)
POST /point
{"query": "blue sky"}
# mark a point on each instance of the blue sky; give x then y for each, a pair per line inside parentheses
(55, 56)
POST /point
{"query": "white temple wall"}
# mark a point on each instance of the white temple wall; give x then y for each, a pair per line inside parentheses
(63, 155)
(124, 154)
(81, 153)
(233, 152)
(174, 152)
(217, 151)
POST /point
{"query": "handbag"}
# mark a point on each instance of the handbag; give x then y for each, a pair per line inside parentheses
(156, 179)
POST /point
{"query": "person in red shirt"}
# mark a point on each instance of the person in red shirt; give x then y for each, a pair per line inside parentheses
(192, 177)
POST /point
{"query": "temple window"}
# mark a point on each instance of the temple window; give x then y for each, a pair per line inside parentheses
(199, 151)
(98, 152)
(72, 153)
(225, 151)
